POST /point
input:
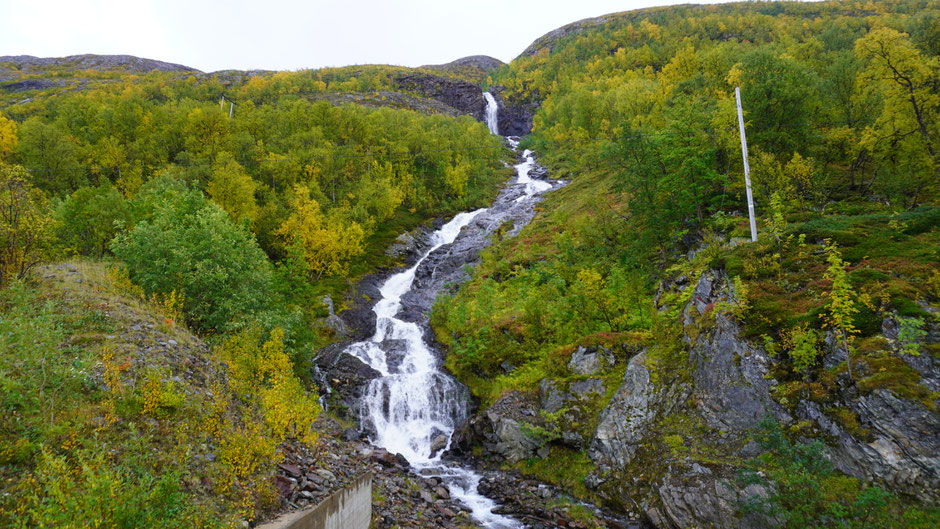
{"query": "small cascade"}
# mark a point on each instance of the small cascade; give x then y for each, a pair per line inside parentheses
(492, 111)
(413, 408)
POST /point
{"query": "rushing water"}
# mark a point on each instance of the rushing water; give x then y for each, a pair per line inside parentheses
(414, 406)
(492, 111)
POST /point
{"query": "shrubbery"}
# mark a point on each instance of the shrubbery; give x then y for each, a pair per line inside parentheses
(188, 245)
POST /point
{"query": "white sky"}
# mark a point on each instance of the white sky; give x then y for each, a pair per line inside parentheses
(290, 35)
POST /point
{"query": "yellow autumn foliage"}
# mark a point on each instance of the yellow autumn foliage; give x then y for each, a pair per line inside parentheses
(328, 242)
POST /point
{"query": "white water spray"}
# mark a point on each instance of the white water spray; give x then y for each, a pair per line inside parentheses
(492, 110)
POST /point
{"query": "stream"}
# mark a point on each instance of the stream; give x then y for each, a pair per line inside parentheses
(414, 406)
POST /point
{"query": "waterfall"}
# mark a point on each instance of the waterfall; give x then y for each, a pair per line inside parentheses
(492, 110)
(413, 408)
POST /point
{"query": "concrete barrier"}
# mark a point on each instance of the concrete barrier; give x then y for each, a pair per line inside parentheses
(349, 508)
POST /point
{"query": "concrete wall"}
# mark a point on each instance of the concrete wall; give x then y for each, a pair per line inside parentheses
(350, 508)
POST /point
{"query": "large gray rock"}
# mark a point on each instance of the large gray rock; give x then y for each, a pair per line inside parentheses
(512, 441)
(332, 321)
(589, 360)
(729, 379)
(504, 430)
(626, 420)
(342, 378)
(696, 497)
(903, 452)
(552, 396)
(730, 376)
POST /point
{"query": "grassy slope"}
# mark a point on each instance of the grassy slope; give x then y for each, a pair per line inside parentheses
(108, 410)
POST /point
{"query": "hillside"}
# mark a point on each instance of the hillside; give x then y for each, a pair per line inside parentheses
(664, 355)
(188, 261)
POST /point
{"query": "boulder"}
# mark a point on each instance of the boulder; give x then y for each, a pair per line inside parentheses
(504, 430)
(590, 360)
(343, 377)
(694, 496)
(626, 420)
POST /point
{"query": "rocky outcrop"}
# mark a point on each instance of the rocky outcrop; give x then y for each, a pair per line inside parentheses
(514, 118)
(342, 377)
(903, 452)
(627, 419)
(696, 496)
(590, 360)
(725, 388)
(462, 95)
(730, 378)
(504, 430)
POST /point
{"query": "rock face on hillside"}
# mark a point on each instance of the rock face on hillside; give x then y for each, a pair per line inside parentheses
(462, 95)
(127, 63)
(648, 434)
(515, 119)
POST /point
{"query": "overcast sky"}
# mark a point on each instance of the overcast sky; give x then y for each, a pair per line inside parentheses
(290, 35)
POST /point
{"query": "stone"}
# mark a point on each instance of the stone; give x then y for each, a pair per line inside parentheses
(292, 470)
(624, 422)
(336, 371)
(351, 434)
(283, 486)
(551, 397)
(587, 389)
(403, 245)
(439, 443)
(514, 445)
(589, 360)
(696, 497)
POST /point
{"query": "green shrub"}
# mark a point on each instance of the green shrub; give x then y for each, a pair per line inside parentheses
(804, 491)
(190, 246)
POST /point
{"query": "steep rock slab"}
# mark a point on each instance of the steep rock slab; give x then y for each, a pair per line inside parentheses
(465, 97)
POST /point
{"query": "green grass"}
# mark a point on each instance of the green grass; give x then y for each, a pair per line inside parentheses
(564, 467)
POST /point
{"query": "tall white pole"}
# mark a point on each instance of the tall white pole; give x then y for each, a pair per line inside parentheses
(747, 168)
(222, 104)
(231, 109)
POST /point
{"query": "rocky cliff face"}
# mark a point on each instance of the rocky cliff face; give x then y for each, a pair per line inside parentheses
(669, 442)
(462, 95)
(515, 118)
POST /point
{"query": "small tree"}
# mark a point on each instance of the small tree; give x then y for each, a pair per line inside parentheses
(88, 219)
(329, 242)
(25, 224)
(842, 308)
(189, 245)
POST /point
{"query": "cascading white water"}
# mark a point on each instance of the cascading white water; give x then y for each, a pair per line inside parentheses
(414, 403)
(410, 407)
(492, 111)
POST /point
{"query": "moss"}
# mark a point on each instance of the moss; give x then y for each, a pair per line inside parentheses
(849, 422)
(564, 467)
(887, 371)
